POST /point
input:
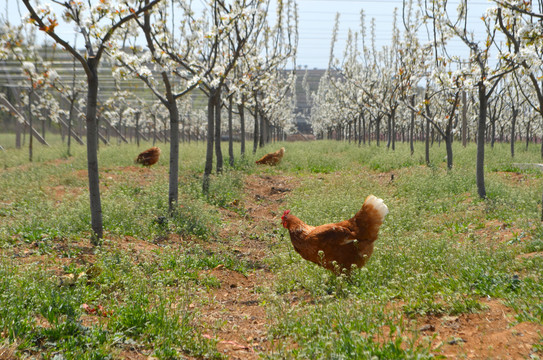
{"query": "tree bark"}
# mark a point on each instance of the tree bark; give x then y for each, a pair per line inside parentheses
(481, 126)
(138, 129)
(492, 130)
(30, 121)
(412, 127)
(257, 131)
(241, 109)
(18, 132)
(464, 119)
(218, 150)
(448, 144)
(364, 130)
(210, 137)
(427, 143)
(389, 130)
(513, 129)
(393, 128)
(92, 152)
(378, 130)
(360, 131)
(70, 122)
(230, 132)
(173, 192)
(263, 131)
(527, 135)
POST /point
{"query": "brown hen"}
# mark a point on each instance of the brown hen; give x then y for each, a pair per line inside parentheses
(148, 157)
(341, 246)
(272, 158)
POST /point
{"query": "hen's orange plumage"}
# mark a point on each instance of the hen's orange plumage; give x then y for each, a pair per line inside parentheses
(272, 158)
(148, 157)
(338, 246)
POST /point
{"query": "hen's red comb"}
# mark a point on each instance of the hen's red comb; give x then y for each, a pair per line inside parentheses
(285, 214)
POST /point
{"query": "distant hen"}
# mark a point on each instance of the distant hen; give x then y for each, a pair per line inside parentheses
(148, 157)
(272, 158)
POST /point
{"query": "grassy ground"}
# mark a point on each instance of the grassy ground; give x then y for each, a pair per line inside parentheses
(154, 287)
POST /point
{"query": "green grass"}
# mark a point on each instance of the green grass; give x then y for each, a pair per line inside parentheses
(440, 251)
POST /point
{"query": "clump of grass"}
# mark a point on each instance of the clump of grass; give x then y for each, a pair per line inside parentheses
(225, 189)
(432, 256)
(343, 329)
(189, 264)
(192, 220)
(134, 311)
(441, 249)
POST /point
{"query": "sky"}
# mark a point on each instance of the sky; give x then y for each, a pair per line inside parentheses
(316, 21)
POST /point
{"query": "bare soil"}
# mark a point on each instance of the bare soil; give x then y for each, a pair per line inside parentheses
(234, 315)
(491, 334)
(237, 303)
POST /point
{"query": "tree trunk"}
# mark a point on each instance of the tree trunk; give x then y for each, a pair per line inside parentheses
(412, 127)
(369, 132)
(448, 144)
(263, 131)
(70, 122)
(256, 132)
(218, 150)
(481, 126)
(210, 137)
(241, 109)
(393, 128)
(378, 130)
(360, 130)
(92, 152)
(120, 128)
(492, 130)
(464, 119)
(230, 132)
(30, 121)
(389, 130)
(154, 130)
(267, 130)
(528, 135)
(364, 129)
(42, 126)
(18, 132)
(356, 129)
(513, 129)
(173, 192)
(138, 129)
(427, 143)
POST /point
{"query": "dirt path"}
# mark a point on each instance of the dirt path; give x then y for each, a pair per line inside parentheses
(236, 305)
(241, 321)
(234, 315)
(490, 334)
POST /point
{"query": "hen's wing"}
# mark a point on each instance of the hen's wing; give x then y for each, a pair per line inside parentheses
(263, 159)
(331, 235)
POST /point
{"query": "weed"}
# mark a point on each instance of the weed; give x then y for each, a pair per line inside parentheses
(438, 253)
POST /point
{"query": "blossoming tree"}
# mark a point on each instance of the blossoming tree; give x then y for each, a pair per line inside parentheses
(97, 24)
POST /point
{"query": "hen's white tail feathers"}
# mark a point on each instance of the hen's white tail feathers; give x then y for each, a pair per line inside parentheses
(378, 204)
